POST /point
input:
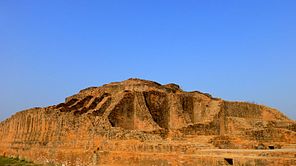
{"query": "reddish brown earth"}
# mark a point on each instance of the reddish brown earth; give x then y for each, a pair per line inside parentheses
(139, 122)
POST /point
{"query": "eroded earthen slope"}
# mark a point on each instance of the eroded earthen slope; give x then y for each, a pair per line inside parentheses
(140, 116)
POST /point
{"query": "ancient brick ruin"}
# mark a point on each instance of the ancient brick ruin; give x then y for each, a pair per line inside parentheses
(139, 122)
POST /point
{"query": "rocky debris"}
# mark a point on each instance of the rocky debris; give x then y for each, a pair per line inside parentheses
(139, 116)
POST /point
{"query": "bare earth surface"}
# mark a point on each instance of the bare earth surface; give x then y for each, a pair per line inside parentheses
(140, 122)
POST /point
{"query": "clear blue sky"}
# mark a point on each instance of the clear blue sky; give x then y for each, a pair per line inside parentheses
(237, 50)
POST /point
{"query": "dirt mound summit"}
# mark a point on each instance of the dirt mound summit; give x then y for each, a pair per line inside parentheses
(140, 116)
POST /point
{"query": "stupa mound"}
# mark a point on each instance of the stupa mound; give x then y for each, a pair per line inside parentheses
(140, 122)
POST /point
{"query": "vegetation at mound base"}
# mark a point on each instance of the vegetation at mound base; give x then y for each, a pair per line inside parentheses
(10, 161)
